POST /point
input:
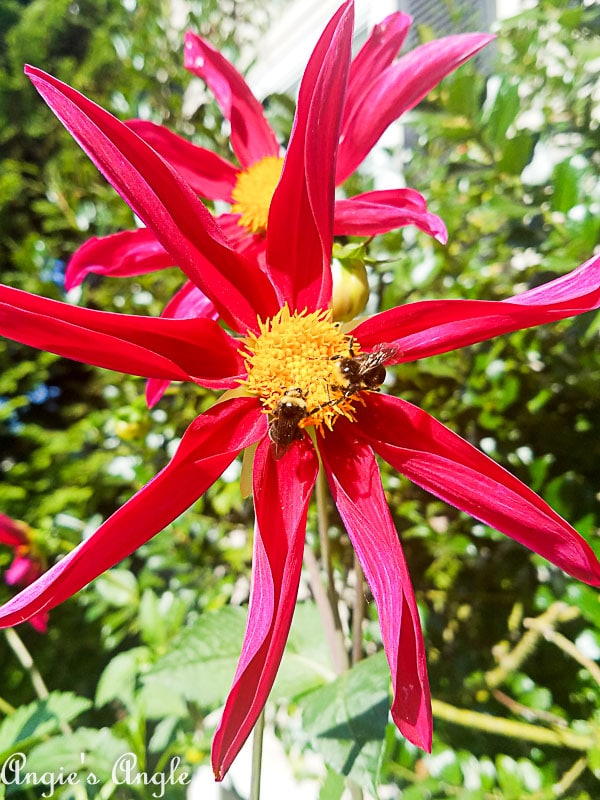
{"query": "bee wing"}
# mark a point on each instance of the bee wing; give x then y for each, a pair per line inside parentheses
(386, 352)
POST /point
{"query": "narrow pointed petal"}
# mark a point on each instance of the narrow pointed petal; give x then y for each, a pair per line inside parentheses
(187, 303)
(377, 53)
(377, 212)
(153, 347)
(446, 465)
(209, 445)
(282, 491)
(249, 244)
(252, 137)
(207, 173)
(120, 255)
(431, 327)
(300, 228)
(356, 487)
(166, 205)
(398, 89)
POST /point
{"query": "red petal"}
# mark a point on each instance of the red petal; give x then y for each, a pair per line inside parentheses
(11, 532)
(300, 228)
(377, 53)
(398, 89)
(282, 492)
(40, 622)
(209, 445)
(446, 465)
(165, 204)
(356, 488)
(119, 255)
(190, 303)
(207, 173)
(430, 327)
(190, 349)
(372, 213)
(251, 135)
(187, 303)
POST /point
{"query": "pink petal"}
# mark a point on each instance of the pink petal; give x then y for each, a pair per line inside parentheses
(251, 135)
(251, 245)
(40, 622)
(377, 53)
(11, 533)
(187, 303)
(430, 327)
(165, 204)
(300, 228)
(356, 488)
(398, 89)
(372, 213)
(209, 445)
(207, 173)
(282, 492)
(120, 255)
(23, 570)
(446, 465)
(194, 349)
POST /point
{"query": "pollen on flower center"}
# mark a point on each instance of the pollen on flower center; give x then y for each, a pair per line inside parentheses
(295, 359)
(253, 191)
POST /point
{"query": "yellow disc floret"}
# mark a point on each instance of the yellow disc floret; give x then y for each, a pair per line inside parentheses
(294, 359)
(253, 191)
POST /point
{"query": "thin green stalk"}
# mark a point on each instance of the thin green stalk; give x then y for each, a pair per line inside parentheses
(523, 731)
(339, 654)
(257, 747)
(25, 659)
(564, 644)
(358, 613)
(511, 661)
(5, 707)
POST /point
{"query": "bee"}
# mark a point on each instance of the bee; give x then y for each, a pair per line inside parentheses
(283, 427)
(365, 370)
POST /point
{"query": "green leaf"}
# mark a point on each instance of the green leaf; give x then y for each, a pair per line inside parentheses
(517, 153)
(87, 752)
(42, 718)
(201, 661)
(503, 112)
(333, 787)
(118, 587)
(347, 720)
(306, 663)
(566, 186)
(118, 681)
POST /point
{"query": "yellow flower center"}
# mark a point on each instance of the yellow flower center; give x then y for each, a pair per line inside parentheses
(293, 365)
(253, 191)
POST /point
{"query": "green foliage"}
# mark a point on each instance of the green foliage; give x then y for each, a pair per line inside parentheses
(138, 661)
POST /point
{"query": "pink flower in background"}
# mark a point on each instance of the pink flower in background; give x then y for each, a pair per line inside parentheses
(380, 90)
(287, 368)
(25, 567)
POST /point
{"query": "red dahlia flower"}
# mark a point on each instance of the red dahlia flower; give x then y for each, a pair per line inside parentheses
(291, 370)
(25, 567)
(380, 90)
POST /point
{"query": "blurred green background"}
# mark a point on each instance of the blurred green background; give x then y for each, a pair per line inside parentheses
(510, 161)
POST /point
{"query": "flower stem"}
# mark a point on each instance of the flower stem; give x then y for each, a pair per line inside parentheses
(331, 614)
(17, 645)
(257, 746)
(564, 644)
(511, 661)
(358, 613)
(511, 728)
(5, 707)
